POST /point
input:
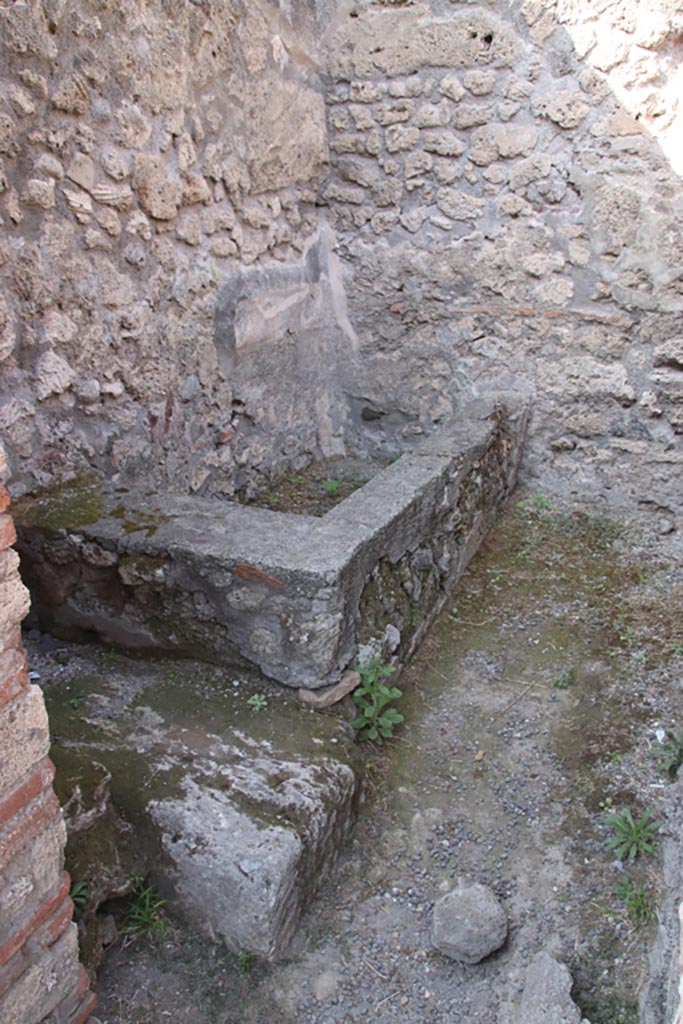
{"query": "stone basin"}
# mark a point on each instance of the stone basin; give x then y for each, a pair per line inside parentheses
(296, 596)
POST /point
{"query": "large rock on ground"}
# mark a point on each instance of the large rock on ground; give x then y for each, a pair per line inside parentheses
(469, 923)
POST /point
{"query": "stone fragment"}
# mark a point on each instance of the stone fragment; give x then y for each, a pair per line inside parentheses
(88, 390)
(53, 375)
(366, 92)
(480, 82)
(531, 169)
(119, 197)
(348, 142)
(194, 189)
(108, 220)
(459, 205)
(452, 87)
(39, 193)
(8, 336)
(138, 224)
(398, 138)
(469, 923)
(565, 107)
(433, 115)
(8, 143)
(156, 190)
(443, 143)
(22, 101)
(82, 171)
(362, 118)
(670, 353)
(413, 86)
(188, 229)
(134, 129)
(50, 165)
(388, 192)
(469, 115)
(393, 112)
(514, 139)
(223, 247)
(115, 164)
(72, 95)
(616, 217)
(546, 996)
(384, 221)
(35, 82)
(318, 699)
(483, 146)
(417, 164)
(80, 204)
(360, 171)
(413, 220)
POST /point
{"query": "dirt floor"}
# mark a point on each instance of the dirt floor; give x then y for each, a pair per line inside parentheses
(531, 715)
(316, 488)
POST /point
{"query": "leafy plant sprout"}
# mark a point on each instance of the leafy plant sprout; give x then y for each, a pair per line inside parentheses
(79, 897)
(633, 837)
(246, 961)
(258, 701)
(376, 720)
(639, 903)
(145, 915)
(330, 486)
(565, 679)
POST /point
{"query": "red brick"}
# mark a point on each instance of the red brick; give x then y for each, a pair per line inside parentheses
(77, 1006)
(44, 812)
(12, 970)
(8, 535)
(4, 499)
(43, 914)
(47, 934)
(85, 1009)
(39, 780)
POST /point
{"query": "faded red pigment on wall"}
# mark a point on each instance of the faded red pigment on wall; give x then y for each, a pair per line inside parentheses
(40, 976)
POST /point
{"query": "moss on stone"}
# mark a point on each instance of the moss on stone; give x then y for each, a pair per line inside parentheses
(67, 506)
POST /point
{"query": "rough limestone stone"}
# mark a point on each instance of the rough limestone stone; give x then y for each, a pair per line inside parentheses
(469, 923)
(157, 191)
(53, 375)
(546, 997)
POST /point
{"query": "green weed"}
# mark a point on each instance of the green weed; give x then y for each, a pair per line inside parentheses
(565, 679)
(639, 903)
(633, 837)
(330, 486)
(246, 962)
(258, 701)
(145, 915)
(375, 719)
(79, 897)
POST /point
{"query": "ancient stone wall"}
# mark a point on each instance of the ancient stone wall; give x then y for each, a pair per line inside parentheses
(504, 215)
(40, 978)
(509, 218)
(150, 152)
